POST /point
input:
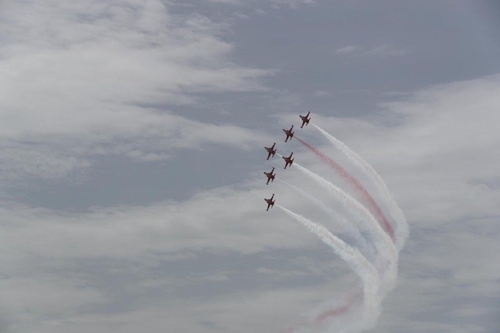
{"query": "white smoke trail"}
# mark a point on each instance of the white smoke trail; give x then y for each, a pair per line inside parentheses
(402, 230)
(363, 216)
(346, 225)
(358, 263)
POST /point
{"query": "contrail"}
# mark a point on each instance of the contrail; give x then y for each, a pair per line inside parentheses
(358, 263)
(357, 186)
(352, 231)
(383, 243)
(368, 170)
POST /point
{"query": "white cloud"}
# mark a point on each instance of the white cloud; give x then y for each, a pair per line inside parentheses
(436, 158)
(41, 250)
(436, 148)
(79, 90)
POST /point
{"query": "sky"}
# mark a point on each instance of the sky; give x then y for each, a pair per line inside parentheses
(132, 137)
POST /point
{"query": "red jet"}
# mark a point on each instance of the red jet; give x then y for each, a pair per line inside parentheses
(270, 202)
(270, 176)
(271, 151)
(305, 120)
(288, 160)
(289, 133)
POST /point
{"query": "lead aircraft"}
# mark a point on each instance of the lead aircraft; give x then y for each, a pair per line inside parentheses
(305, 120)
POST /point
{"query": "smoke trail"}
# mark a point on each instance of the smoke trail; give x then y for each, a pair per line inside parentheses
(357, 186)
(363, 216)
(358, 263)
(367, 169)
(342, 221)
(323, 314)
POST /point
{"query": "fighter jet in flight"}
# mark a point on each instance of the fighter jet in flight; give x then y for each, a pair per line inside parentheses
(289, 133)
(305, 120)
(271, 151)
(270, 176)
(288, 160)
(270, 202)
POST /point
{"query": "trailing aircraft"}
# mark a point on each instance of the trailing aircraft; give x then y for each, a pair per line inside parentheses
(270, 202)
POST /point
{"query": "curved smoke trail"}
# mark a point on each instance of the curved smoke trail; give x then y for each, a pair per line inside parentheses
(368, 170)
(346, 225)
(357, 186)
(363, 217)
(361, 213)
(385, 264)
(358, 263)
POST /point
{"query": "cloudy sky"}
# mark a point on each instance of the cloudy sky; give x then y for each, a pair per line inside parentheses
(132, 135)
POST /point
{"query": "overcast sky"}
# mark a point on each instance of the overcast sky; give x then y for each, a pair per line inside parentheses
(132, 137)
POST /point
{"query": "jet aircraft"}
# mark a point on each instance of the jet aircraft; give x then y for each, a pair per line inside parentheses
(289, 133)
(271, 151)
(270, 202)
(305, 120)
(270, 176)
(288, 160)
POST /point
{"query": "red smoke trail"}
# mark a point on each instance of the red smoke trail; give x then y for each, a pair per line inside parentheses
(357, 185)
(331, 313)
(341, 310)
(327, 314)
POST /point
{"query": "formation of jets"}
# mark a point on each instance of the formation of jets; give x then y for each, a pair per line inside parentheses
(271, 151)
